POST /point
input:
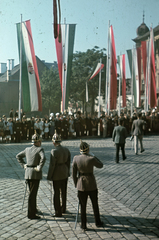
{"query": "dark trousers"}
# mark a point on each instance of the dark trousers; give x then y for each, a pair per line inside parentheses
(33, 189)
(83, 196)
(60, 192)
(118, 146)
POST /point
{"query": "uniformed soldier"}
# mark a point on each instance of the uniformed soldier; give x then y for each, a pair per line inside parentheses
(17, 130)
(84, 180)
(35, 159)
(59, 171)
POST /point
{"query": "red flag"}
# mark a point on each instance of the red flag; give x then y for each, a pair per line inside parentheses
(124, 81)
(113, 78)
(153, 95)
(139, 71)
(144, 57)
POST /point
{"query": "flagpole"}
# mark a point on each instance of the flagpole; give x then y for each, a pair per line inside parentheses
(64, 69)
(148, 78)
(132, 90)
(107, 73)
(99, 88)
(20, 76)
(120, 81)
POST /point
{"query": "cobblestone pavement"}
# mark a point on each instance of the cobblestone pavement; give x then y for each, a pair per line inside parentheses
(128, 195)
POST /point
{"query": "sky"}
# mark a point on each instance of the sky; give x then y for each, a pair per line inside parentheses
(90, 16)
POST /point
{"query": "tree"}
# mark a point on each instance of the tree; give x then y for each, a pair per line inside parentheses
(83, 65)
(51, 90)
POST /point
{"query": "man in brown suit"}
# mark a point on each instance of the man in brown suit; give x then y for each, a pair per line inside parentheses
(59, 171)
(84, 180)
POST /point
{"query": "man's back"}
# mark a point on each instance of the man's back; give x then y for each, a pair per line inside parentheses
(119, 134)
(137, 127)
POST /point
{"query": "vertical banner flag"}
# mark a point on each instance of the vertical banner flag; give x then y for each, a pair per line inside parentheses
(64, 51)
(133, 64)
(153, 94)
(121, 61)
(148, 58)
(31, 90)
(113, 72)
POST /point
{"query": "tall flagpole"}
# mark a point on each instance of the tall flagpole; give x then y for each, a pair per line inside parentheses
(132, 90)
(99, 88)
(64, 69)
(109, 71)
(107, 74)
(148, 79)
(20, 76)
(120, 79)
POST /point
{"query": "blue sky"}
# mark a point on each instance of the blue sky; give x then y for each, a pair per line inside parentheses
(91, 16)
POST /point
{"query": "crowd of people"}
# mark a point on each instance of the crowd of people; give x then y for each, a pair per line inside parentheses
(74, 125)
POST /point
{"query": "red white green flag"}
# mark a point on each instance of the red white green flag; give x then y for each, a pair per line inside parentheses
(31, 90)
(97, 70)
(134, 70)
(148, 59)
(121, 61)
(64, 51)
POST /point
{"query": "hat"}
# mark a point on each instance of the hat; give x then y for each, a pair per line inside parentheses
(84, 147)
(56, 138)
(57, 114)
(36, 138)
(17, 119)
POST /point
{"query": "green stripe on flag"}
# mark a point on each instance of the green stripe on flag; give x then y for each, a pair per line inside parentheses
(24, 80)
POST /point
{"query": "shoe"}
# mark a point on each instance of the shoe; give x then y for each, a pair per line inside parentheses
(57, 215)
(101, 224)
(38, 212)
(142, 150)
(84, 228)
(136, 153)
(117, 161)
(124, 158)
(35, 217)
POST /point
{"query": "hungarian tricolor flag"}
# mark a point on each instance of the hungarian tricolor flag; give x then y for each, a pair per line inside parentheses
(121, 61)
(64, 50)
(97, 70)
(134, 57)
(148, 58)
(31, 90)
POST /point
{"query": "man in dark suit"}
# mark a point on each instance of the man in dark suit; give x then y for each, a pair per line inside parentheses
(84, 181)
(119, 135)
(35, 159)
(59, 171)
(137, 132)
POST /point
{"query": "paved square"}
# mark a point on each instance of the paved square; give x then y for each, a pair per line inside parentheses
(128, 195)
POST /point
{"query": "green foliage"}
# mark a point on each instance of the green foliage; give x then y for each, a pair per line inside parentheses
(51, 90)
(83, 66)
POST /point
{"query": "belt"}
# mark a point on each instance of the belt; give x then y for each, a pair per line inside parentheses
(31, 166)
(85, 174)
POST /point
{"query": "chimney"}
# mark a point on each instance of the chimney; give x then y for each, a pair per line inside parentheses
(8, 69)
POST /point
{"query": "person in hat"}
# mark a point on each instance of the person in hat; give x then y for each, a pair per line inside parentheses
(84, 181)
(35, 159)
(58, 172)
